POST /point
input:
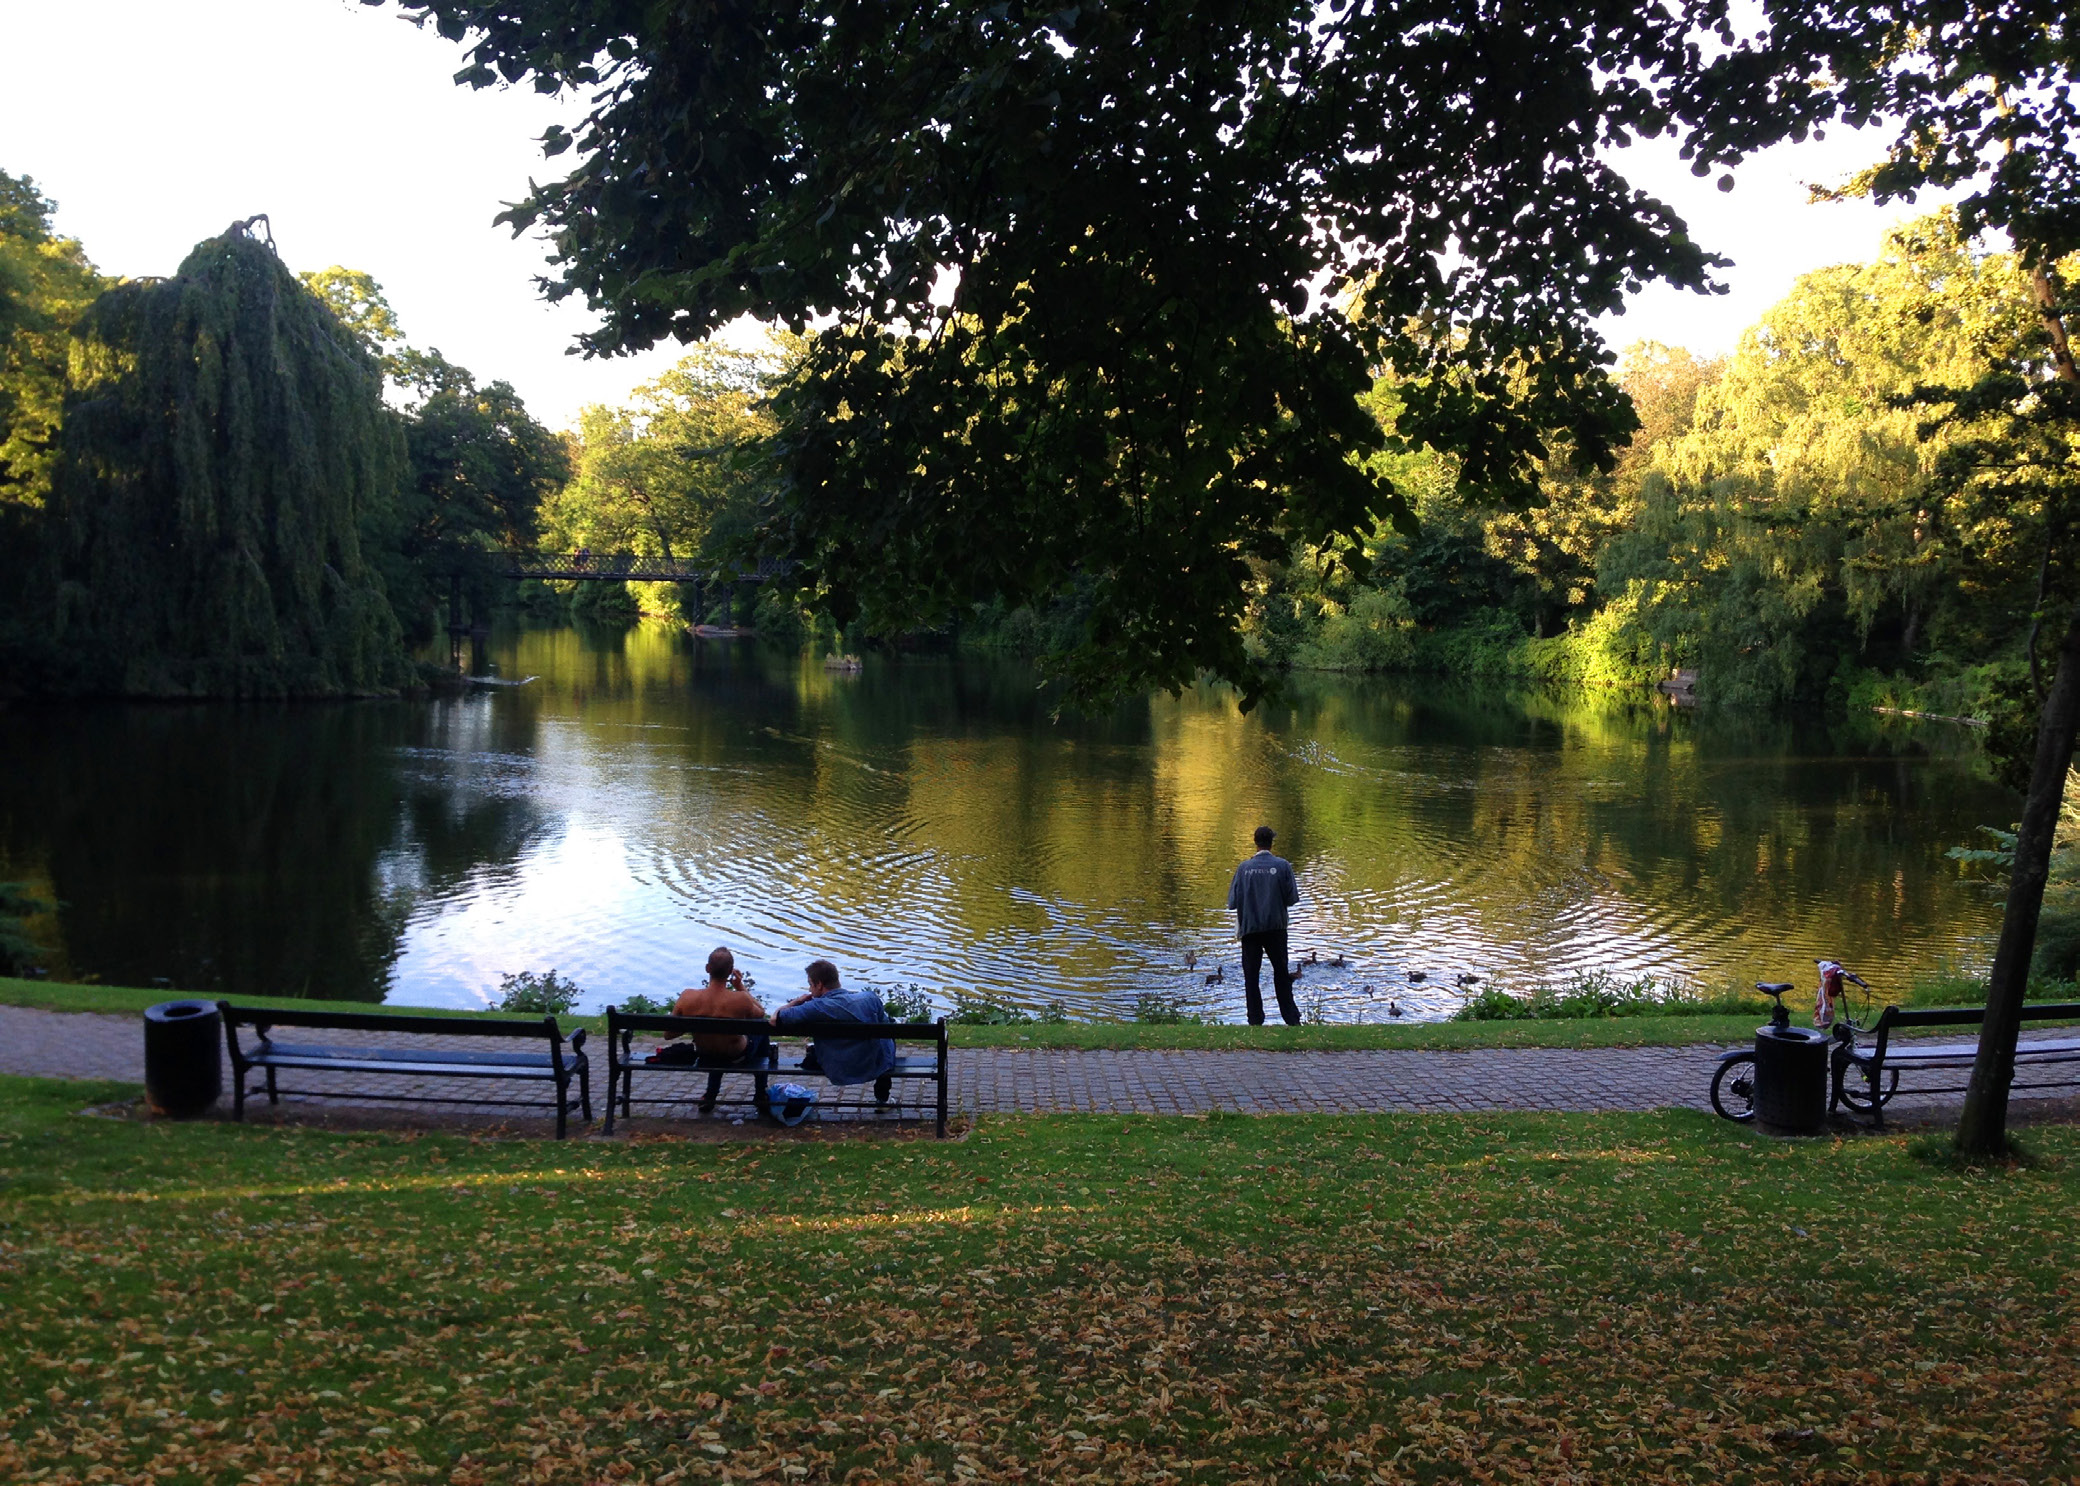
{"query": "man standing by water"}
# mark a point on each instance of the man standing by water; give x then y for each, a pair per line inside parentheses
(1263, 889)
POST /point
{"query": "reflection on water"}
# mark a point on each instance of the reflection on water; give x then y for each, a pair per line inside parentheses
(649, 796)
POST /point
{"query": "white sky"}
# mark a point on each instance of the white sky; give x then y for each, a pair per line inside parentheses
(154, 123)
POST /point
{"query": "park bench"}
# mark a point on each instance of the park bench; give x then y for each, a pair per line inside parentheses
(1883, 1059)
(624, 1062)
(555, 1063)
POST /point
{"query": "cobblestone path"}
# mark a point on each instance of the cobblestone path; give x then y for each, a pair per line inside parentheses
(994, 1080)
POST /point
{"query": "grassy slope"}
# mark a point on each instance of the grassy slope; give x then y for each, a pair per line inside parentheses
(1615, 1032)
(1291, 1299)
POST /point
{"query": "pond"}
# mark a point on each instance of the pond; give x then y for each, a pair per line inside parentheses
(646, 796)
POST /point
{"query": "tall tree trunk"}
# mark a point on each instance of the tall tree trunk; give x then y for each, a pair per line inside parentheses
(1983, 1129)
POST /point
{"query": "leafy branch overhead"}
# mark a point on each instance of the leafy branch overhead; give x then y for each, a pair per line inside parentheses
(1106, 284)
(1136, 204)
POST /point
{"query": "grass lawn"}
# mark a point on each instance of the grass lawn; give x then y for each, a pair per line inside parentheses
(1292, 1299)
(1632, 1031)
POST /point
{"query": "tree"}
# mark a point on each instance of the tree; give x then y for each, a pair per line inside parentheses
(1795, 515)
(679, 472)
(45, 282)
(222, 438)
(1981, 100)
(479, 463)
(357, 301)
(480, 468)
(1140, 202)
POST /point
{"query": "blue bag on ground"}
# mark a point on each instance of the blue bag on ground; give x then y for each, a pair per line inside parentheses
(789, 1103)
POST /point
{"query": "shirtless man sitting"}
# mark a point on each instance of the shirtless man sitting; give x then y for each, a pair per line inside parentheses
(724, 995)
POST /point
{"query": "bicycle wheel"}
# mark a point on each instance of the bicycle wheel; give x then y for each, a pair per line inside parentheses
(1733, 1089)
(1857, 1094)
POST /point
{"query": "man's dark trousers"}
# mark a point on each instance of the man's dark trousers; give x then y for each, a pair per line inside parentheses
(1254, 948)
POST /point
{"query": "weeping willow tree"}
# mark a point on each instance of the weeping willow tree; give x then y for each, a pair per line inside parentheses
(223, 438)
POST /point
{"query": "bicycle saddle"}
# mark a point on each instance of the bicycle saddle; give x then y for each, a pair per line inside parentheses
(1773, 988)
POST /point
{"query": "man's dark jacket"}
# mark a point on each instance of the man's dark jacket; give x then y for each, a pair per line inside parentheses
(1261, 893)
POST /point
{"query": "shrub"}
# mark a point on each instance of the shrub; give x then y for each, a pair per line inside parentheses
(1375, 633)
(18, 951)
(641, 1005)
(976, 1012)
(547, 994)
(1599, 995)
(905, 1003)
(1162, 1009)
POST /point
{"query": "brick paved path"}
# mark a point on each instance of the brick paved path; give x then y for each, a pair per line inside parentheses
(990, 1080)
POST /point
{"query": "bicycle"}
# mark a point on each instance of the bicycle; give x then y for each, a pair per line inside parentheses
(1733, 1084)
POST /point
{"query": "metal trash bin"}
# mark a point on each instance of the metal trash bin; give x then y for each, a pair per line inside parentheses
(183, 1058)
(1790, 1080)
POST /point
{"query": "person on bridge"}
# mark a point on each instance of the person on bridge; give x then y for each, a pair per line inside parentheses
(1262, 890)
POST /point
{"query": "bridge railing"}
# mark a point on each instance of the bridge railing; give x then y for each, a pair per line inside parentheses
(627, 567)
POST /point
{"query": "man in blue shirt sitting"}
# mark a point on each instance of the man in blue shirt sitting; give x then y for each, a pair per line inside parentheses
(866, 1060)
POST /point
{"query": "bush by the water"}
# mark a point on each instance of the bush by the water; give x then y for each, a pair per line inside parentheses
(17, 950)
(1160, 1009)
(642, 1005)
(905, 1003)
(1591, 996)
(547, 993)
(976, 1012)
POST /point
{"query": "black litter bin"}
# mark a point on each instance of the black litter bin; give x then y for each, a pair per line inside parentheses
(183, 1058)
(1790, 1080)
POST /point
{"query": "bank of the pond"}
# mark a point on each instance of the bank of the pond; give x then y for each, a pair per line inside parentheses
(1631, 1031)
(1189, 1301)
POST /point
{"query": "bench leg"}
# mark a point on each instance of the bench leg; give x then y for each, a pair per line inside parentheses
(613, 1076)
(563, 1105)
(628, 1090)
(1871, 1073)
(585, 1090)
(238, 1093)
(714, 1092)
(759, 1101)
(273, 1097)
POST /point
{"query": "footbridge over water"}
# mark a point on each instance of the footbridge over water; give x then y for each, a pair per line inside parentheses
(584, 566)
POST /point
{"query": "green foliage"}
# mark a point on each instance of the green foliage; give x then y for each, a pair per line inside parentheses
(357, 301)
(905, 1003)
(223, 441)
(45, 282)
(546, 992)
(976, 1011)
(609, 605)
(639, 1004)
(18, 952)
(1795, 522)
(677, 472)
(1177, 177)
(2056, 957)
(1159, 1009)
(1594, 996)
(480, 466)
